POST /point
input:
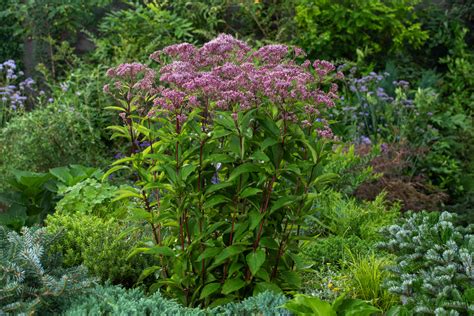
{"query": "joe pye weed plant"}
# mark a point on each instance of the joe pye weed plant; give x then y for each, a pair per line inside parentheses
(226, 152)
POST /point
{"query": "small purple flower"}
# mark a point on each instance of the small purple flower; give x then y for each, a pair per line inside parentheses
(365, 140)
(119, 155)
(50, 100)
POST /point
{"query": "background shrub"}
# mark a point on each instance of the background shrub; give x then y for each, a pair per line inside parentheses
(49, 137)
(329, 29)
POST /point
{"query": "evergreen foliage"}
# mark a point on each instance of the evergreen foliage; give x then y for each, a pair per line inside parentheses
(32, 280)
(434, 273)
(115, 300)
(95, 243)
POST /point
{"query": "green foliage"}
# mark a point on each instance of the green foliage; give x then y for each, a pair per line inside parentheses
(335, 29)
(325, 281)
(32, 280)
(49, 137)
(265, 304)
(334, 250)
(366, 276)
(10, 41)
(434, 263)
(256, 21)
(91, 197)
(51, 26)
(97, 244)
(114, 300)
(352, 169)
(32, 196)
(307, 305)
(139, 31)
(338, 215)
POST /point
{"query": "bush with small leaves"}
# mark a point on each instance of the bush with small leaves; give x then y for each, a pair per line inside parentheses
(434, 270)
(97, 244)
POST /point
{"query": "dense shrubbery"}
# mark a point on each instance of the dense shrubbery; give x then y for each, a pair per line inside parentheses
(96, 243)
(378, 27)
(49, 137)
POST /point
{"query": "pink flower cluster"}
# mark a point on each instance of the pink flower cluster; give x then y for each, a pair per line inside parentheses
(136, 75)
(226, 74)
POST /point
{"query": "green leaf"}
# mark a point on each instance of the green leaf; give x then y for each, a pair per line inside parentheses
(112, 170)
(186, 171)
(325, 179)
(209, 253)
(255, 219)
(269, 243)
(357, 307)
(221, 301)
(234, 267)
(263, 275)
(160, 250)
(171, 172)
(266, 286)
(145, 273)
(209, 289)
(303, 304)
(249, 192)
(215, 200)
(232, 285)
(292, 278)
(282, 202)
(244, 168)
(62, 173)
(268, 142)
(218, 186)
(229, 252)
(255, 260)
